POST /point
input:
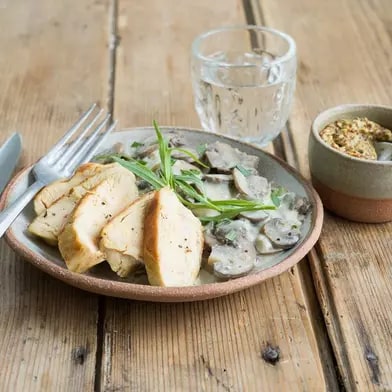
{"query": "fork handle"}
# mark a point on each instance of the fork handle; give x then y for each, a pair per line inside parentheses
(9, 214)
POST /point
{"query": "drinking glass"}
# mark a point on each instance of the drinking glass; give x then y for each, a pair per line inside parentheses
(243, 81)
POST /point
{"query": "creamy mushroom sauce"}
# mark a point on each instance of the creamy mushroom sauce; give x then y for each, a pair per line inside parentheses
(222, 182)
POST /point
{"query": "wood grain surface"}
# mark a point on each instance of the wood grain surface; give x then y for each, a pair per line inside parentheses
(53, 64)
(218, 344)
(133, 58)
(345, 56)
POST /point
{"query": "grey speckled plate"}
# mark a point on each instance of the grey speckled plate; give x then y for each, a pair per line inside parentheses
(103, 281)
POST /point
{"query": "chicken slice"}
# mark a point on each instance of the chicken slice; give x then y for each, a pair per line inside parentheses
(122, 237)
(79, 240)
(173, 242)
(49, 224)
(52, 192)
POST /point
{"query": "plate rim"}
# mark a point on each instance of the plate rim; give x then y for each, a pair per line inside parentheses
(173, 294)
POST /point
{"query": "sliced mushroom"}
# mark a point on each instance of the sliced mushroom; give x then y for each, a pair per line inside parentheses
(294, 205)
(180, 155)
(253, 187)
(147, 147)
(118, 148)
(218, 178)
(288, 200)
(302, 205)
(153, 160)
(144, 186)
(176, 140)
(282, 234)
(235, 232)
(217, 186)
(219, 191)
(179, 165)
(223, 157)
(264, 245)
(209, 238)
(205, 212)
(255, 216)
(229, 262)
(150, 140)
(144, 151)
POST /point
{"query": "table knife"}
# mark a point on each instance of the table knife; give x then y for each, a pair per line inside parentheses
(9, 157)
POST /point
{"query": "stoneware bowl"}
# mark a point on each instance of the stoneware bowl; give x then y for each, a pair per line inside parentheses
(353, 188)
(102, 280)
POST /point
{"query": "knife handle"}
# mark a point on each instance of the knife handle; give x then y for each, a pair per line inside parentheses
(9, 214)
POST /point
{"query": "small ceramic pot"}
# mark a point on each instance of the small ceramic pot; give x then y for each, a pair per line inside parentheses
(354, 188)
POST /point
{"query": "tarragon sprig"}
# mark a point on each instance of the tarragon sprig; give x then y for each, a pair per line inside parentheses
(188, 185)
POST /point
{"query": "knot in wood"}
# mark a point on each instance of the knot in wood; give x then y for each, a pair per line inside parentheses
(79, 355)
(271, 354)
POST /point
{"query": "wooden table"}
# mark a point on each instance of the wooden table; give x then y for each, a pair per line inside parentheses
(330, 317)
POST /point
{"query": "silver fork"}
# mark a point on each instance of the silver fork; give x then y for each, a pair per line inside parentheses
(62, 160)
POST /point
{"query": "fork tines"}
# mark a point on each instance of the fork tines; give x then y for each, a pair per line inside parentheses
(91, 128)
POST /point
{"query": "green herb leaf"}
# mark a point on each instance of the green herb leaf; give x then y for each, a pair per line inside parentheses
(104, 158)
(218, 218)
(165, 156)
(192, 176)
(275, 200)
(223, 222)
(109, 157)
(191, 155)
(188, 186)
(189, 191)
(141, 171)
(190, 179)
(231, 235)
(137, 144)
(242, 203)
(201, 149)
(191, 171)
(276, 195)
(245, 172)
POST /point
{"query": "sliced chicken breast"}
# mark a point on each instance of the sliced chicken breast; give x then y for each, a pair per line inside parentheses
(52, 192)
(122, 237)
(79, 240)
(49, 224)
(173, 242)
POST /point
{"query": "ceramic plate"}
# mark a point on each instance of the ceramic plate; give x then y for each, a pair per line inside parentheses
(102, 280)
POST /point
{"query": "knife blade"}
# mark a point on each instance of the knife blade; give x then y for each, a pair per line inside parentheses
(9, 157)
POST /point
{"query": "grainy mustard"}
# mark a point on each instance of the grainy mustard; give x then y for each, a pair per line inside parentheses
(356, 137)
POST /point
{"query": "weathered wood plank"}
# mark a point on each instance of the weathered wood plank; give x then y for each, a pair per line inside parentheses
(284, 147)
(345, 53)
(353, 271)
(53, 64)
(212, 345)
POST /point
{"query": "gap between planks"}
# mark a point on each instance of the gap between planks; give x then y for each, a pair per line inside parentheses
(283, 147)
(101, 312)
(112, 43)
(113, 40)
(322, 286)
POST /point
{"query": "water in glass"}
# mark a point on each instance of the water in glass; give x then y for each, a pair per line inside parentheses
(245, 95)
